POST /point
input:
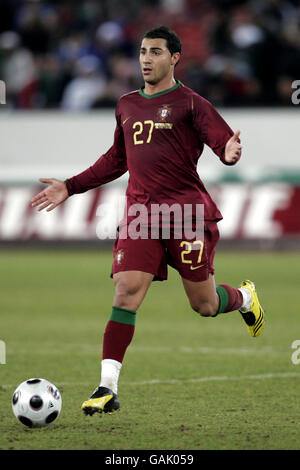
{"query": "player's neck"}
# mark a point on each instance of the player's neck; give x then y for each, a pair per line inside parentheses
(163, 85)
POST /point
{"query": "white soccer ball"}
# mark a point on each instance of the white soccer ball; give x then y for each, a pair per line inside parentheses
(36, 403)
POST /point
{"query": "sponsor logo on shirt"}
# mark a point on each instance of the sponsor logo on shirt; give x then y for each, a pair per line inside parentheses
(163, 125)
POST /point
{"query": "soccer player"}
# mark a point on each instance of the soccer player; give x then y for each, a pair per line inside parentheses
(160, 133)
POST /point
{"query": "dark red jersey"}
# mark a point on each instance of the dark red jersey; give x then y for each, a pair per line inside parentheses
(159, 139)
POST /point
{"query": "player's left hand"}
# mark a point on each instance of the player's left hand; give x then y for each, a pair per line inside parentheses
(233, 149)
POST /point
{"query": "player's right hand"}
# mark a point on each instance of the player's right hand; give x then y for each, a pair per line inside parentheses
(55, 193)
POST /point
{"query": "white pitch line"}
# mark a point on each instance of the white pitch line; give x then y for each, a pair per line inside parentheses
(220, 378)
(91, 348)
(207, 350)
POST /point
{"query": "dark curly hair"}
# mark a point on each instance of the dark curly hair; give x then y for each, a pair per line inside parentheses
(173, 41)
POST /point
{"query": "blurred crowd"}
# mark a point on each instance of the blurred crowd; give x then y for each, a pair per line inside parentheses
(79, 55)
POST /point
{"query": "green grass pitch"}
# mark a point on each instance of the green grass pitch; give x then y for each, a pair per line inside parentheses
(187, 382)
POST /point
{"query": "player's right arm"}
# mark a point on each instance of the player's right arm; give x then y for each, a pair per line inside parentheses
(108, 167)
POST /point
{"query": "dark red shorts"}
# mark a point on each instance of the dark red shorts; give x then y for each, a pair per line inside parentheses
(193, 259)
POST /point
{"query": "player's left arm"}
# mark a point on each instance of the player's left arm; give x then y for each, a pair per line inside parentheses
(233, 149)
(215, 132)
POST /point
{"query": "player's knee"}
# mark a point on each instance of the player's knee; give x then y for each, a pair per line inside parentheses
(127, 289)
(205, 309)
(126, 295)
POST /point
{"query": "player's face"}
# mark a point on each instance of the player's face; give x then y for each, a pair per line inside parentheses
(156, 60)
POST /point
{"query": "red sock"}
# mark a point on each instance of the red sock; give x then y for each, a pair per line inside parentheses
(118, 333)
(230, 300)
(117, 337)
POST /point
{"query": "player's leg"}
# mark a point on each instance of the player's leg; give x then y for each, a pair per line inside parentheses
(136, 262)
(130, 290)
(193, 259)
(209, 300)
(202, 296)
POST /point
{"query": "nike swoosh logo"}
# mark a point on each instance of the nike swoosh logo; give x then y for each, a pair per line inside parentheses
(196, 267)
(124, 122)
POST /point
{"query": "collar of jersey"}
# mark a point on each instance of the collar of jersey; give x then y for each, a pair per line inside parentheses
(161, 92)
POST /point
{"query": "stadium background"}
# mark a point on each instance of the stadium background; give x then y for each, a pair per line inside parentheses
(66, 63)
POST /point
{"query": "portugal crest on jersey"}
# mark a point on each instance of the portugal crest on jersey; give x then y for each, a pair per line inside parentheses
(164, 112)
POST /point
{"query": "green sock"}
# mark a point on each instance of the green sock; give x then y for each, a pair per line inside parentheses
(118, 333)
(223, 299)
(122, 315)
